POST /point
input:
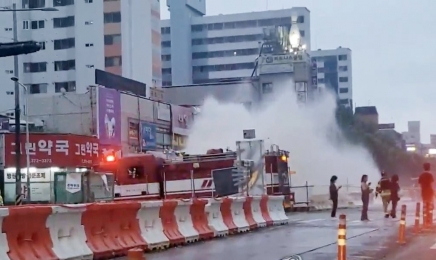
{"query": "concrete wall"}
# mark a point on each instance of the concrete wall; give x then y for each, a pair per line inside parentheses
(234, 92)
(69, 113)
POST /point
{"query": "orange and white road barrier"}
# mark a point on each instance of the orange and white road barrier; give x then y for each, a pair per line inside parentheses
(342, 237)
(135, 254)
(111, 229)
(402, 227)
(416, 227)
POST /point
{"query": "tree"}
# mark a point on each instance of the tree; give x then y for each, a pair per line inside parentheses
(386, 154)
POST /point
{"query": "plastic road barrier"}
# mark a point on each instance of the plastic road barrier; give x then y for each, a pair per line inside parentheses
(106, 230)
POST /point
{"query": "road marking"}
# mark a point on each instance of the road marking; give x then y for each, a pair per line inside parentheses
(312, 220)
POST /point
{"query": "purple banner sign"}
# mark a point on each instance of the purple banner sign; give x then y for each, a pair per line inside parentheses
(109, 117)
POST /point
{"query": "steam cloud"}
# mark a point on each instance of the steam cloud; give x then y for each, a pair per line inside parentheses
(317, 148)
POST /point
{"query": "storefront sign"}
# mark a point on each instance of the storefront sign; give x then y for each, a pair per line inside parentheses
(133, 131)
(109, 117)
(148, 136)
(53, 150)
(182, 119)
(277, 59)
(73, 183)
(163, 111)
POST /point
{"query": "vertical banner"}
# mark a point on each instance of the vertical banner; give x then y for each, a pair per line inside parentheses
(109, 117)
(148, 136)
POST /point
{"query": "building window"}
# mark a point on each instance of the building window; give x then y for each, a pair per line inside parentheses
(25, 25)
(342, 57)
(165, 30)
(65, 65)
(267, 88)
(223, 67)
(343, 90)
(37, 88)
(63, 2)
(89, 44)
(113, 61)
(34, 67)
(114, 17)
(302, 33)
(343, 79)
(321, 70)
(166, 83)
(88, 1)
(228, 39)
(67, 86)
(343, 68)
(321, 80)
(166, 57)
(37, 24)
(228, 53)
(63, 22)
(33, 4)
(62, 44)
(112, 39)
(42, 44)
(344, 101)
(165, 44)
(300, 19)
(166, 71)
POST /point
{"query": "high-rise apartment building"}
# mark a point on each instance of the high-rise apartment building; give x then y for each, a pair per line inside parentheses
(200, 49)
(119, 36)
(334, 72)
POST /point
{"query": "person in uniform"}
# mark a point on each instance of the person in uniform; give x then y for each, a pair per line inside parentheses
(395, 195)
(384, 190)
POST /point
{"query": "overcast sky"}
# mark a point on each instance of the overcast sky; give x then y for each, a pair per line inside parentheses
(391, 40)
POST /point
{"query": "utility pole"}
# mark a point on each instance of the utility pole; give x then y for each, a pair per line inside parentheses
(18, 189)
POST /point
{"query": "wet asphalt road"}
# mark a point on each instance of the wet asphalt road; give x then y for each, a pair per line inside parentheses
(423, 247)
(311, 235)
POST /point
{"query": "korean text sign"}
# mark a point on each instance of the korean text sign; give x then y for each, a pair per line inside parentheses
(182, 119)
(148, 136)
(53, 150)
(109, 116)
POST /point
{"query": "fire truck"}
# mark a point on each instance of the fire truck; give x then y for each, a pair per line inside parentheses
(169, 175)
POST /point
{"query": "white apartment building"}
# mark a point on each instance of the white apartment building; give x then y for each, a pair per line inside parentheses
(200, 49)
(119, 36)
(334, 72)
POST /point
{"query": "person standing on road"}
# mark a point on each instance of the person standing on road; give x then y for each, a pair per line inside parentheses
(366, 190)
(395, 195)
(426, 181)
(384, 189)
(334, 194)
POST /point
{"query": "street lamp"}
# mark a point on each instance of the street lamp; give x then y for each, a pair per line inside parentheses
(27, 145)
(18, 193)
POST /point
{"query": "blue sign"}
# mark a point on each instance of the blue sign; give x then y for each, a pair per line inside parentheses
(148, 136)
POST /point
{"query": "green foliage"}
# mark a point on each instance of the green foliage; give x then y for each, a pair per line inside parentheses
(385, 153)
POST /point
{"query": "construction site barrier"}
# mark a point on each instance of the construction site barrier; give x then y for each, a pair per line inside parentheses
(107, 230)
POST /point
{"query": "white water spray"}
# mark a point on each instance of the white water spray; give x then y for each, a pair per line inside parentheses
(310, 133)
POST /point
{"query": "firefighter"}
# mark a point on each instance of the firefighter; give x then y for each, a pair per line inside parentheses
(384, 189)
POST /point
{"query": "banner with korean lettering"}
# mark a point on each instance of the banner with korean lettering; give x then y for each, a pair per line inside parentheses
(53, 150)
(148, 136)
(109, 117)
(182, 118)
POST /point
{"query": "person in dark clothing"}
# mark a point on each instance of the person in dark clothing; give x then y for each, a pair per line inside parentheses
(334, 194)
(395, 195)
(383, 188)
(426, 181)
(366, 190)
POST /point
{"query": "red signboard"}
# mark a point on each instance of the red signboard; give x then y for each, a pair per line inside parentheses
(53, 150)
